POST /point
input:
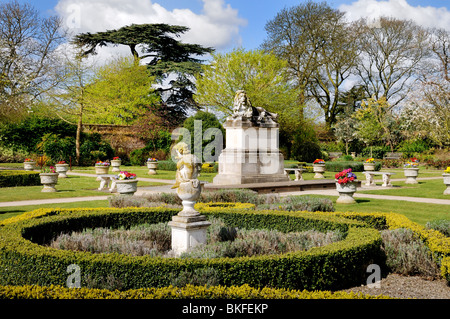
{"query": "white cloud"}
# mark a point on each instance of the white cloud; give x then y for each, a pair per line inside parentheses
(217, 26)
(426, 16)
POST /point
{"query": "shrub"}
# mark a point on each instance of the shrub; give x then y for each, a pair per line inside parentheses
(12, 178)
(57, 148)
(441, 225)
(10, 155)
(305, 146)
(168, 165)
(355, 166)
(377, 151)
(300, 203)
(28, 133)
(93, 148)
(407, 254)
(208, 120)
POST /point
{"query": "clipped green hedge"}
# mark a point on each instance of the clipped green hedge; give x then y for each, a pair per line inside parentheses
(12, 178)
(355, 166)
(24, 261)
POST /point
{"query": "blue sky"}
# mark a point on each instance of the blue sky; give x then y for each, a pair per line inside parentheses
(226, 24)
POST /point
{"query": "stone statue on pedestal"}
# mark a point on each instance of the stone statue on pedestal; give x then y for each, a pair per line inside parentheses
(251, 154)
(188, 226)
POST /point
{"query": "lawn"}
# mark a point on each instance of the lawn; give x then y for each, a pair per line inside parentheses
(432, 188)
(73, 186)
(7, 212)
(420, 213)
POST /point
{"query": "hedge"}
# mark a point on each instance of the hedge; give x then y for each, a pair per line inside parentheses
(12, 178)
(187, 292)
(355, 166)
(24, 261)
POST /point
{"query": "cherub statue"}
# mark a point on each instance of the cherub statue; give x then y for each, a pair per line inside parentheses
(188, 166)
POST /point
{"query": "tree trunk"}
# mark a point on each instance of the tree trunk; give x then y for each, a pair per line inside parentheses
(78, 136)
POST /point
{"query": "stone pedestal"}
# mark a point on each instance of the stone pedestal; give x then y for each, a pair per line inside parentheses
(251, 154)
(188, 232)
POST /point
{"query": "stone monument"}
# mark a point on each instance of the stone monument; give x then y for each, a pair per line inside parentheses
(251, 154)
(188, 227)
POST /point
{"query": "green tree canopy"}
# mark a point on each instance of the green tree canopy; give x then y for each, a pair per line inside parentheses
(157, 46)
(120, 93)
(263, 77)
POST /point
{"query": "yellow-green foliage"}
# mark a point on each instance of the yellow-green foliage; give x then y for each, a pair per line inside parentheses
(186, 292)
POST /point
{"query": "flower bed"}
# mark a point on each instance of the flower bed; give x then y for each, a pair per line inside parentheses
(24, 261)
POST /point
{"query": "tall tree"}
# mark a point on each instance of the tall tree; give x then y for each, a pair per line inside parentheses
(316, 42)
(27, 46)
(428, 111)
(390, 54)
(263, 76)
(172, 62)
(70, 98)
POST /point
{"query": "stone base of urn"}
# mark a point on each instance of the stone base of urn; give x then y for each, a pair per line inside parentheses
(346, 192)
(152, 167)
(29, 166)
(116, 165)
(447, 183)
(411, 175)
(62, 169)
(49, 180)
(319, 169)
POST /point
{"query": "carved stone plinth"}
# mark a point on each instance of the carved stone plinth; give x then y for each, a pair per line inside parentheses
(188, 232)
(251, 154)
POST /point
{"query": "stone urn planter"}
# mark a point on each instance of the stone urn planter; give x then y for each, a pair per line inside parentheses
(29, 165)
(126, 186)
(369, 166)
(49, 180)
(447, 183)
(346, 192)
(319, 169)
(62, 169)
(152, 167)
(115, 163)
(411, 175)
(101, 169)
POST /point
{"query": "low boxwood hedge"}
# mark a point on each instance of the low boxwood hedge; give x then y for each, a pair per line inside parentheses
(25, 261)
(12, 178)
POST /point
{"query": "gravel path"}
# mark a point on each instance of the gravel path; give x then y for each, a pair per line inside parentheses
(398, 286)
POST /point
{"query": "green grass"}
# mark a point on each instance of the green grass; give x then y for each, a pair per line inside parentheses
(432, 188)
(73, 186)
(420, 213)
(11, 211)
